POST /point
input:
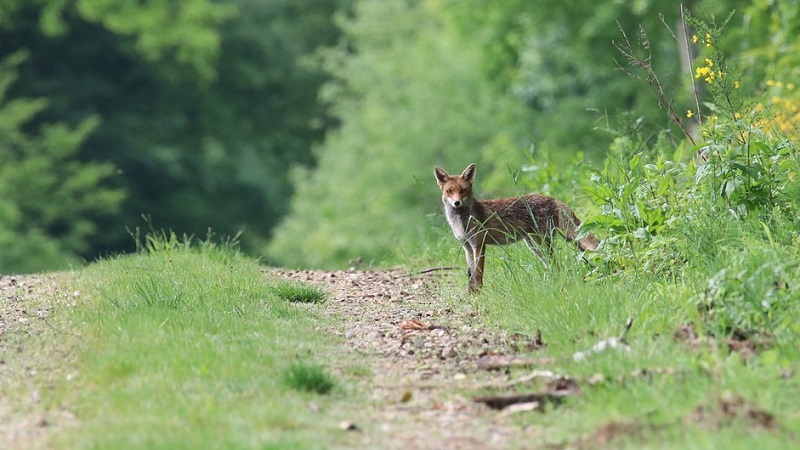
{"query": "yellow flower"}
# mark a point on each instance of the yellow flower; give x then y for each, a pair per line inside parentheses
(737, 85)
(694, 38)
(790, 86)
(689, 113)
(705, 73)
(770, 83)
(709, 62)
(701, 72)
(708, 40)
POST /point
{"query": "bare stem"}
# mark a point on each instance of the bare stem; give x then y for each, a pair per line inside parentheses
(646, 66)
(695, 93)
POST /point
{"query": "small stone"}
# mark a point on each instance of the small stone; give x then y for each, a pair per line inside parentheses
(346, 425)
(448, 352)
(596, 379)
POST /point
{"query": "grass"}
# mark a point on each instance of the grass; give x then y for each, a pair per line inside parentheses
(667, 392)
(308, 378)
(189, 346)
(298, 292)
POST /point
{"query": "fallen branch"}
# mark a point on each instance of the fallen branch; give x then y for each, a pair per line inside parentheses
(437, 269)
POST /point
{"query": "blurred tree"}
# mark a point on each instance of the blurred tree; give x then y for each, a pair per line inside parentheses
(203, 105)
(419, 82)
(409, 94)
(49, 199)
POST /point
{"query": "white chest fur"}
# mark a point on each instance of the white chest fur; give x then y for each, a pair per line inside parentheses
(457, 223)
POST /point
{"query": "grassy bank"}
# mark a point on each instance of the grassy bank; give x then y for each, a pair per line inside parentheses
(710, 360)
(677, 383)
(189, 346)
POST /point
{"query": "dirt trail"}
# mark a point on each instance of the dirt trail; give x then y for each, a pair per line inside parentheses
(25, 306)
(422, 352)
(418, 352)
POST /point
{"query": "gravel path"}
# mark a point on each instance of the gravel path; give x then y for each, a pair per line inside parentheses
(417, 349)
(26, 302)
(422, 351)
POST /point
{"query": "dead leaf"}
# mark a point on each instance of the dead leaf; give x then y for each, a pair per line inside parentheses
(414, 324)
(406, 397)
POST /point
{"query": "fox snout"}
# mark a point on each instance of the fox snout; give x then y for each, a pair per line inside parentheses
(453, 202)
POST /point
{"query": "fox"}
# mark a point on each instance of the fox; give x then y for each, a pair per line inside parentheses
(476, 223)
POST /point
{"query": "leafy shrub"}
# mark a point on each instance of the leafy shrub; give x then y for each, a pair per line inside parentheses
(661, 207)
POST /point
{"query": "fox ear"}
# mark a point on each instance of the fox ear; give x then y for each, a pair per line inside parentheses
(441, 175)
(469, 173)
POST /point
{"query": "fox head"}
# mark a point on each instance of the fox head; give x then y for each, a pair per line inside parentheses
(456, 189)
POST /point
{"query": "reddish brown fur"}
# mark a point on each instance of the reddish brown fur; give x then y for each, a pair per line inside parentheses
(533, 217)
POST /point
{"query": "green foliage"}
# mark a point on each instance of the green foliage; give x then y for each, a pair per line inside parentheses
(408, 97)
(661, 209)
(50, 200)
(564, 68)
(182, 33)
(203, 106)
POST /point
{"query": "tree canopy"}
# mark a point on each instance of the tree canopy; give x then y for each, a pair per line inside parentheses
(313, 125)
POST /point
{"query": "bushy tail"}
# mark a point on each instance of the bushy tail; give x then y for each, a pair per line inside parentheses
(569, 222)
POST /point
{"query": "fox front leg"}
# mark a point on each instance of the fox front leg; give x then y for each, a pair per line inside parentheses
(470, 254)
(475, 261)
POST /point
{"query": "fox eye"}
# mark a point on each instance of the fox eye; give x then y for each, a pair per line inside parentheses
(449, 191)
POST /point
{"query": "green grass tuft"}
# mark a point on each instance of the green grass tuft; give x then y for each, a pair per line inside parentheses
(299, 292)
(308, 378)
